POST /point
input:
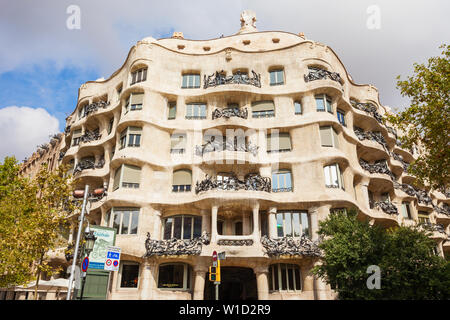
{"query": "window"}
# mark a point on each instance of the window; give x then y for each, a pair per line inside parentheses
(190, 81)
(76, 137)
(125, 220)
(284, 277)
(138, 76)
(276, 77)
(196, 111)
(323, 101)
(328, 137)
(279, 142)
(134, 102)
(281, 181)
(178, 143)
(130, 137)
(341, 117)
(110, 126)
(174, 276)
(238, 228)
(297, 107)
(333, 177)
(385, 197)
(424, 217)
(129, 275)
(127, 176)
(182, 227)
(119, 91)
(82, 111)
(292, 224)
(406, 210)
(172, 110)
(182, 180)
(263, 109)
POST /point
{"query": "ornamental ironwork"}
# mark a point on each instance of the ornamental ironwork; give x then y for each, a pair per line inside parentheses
(317, 74)
(175, 247)
(90, 136)
(438, 227)
(228, 144)
(84, 165)
(368, 108)
(380, 166)
(229, 112)
(95, 106)
(445, 209)
(67, 129)
(231, 242)
(219, 78)
(371, 135)
(252, 181)
(387, 206)
(291, 246)
(61, 155)
(421, 195)
(400, 159)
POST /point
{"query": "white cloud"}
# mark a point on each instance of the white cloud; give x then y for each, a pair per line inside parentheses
(23, 128)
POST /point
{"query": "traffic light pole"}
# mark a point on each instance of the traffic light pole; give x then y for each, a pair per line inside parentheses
(217, 291)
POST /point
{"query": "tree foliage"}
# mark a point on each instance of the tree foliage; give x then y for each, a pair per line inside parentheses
(409, 269)
(32, 213)
(426, 122)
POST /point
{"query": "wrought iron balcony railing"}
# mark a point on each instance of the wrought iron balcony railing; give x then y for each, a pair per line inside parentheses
(95, 106)
(219, 78)
(89, 136)
(252, 182)
(368, 108)
(228, 144)
(291, 246)
(230, 112)
(438, 227)
(380, 166)
(175, 247)
(387, 206)
(371, 135)
(421, 195)
(88, 164)
(317, 74)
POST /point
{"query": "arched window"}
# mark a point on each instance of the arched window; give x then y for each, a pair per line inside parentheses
(182, 180)
(182, 227)
(174, 276)
(284, 277)
(139, 75)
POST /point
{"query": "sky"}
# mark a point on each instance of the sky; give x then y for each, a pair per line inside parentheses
(43, 62)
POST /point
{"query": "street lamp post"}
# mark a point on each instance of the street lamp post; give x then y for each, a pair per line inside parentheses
(89, 245)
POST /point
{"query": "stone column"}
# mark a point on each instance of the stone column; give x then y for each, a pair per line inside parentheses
(205, 222)
(156, 224)
(256, 232)
(365, 193)
(199, 282)
(262, 282)
(313, 217)
(245, 224)
(214, 210)
(146, 279)
(320, 288)
(272, 222)
(307, 280)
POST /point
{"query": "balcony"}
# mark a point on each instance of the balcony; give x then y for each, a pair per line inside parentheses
(371, 135)
(95, 106)
(226, 144)
(291, 246)
(227, 113)
(89, 136)
(219, 78)
(174, 246)
(317, 74)
(421, 195)
(380, 166)
(387, 206)
(368, 108)
(252, 182)
(89, 163)
(438, 227)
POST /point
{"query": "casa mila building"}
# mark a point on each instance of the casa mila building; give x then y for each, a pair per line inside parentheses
(242, 145)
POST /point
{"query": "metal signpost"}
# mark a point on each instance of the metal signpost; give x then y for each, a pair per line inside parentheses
(84, 268)
(214, 270)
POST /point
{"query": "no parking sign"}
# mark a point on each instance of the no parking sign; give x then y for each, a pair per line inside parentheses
(112, 258)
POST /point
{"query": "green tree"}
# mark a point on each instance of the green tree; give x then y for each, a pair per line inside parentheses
(426, 122)
(409, 269)
(32, 213)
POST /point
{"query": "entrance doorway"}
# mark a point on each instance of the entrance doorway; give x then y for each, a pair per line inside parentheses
(236, 284)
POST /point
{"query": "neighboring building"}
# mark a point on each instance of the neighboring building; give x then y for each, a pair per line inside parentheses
(301, 139)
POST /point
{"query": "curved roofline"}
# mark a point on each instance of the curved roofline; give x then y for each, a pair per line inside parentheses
(238, 50)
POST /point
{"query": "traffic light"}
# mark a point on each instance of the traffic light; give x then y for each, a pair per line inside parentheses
(214, 274)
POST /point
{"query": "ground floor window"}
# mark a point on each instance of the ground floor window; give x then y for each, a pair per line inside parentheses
(284, 277)
(174, 276)
(129, 275)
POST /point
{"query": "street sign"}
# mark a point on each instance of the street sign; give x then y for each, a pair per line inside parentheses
(85, 264)
(221, 255)
(105, 237)
(214, 255)
(112, 258)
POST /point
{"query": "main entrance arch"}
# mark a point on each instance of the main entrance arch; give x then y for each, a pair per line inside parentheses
(237, 283)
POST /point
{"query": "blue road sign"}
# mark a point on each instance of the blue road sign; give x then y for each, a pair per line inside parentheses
(113, 255)
(85, 264)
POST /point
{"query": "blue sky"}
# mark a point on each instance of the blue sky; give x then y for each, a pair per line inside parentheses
(43, 63)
